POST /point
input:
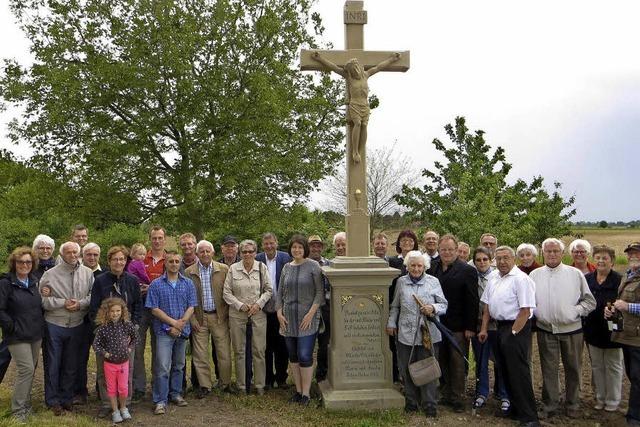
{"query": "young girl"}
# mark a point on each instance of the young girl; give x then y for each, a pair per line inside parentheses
(136, 265)
(115, 338)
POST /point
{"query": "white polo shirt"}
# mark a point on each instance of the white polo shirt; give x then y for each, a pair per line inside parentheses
(506, 295)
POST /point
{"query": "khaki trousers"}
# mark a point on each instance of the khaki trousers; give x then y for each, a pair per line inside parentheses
(25, 355)
(219, 333)
(552, 348)
(607, 367)
(238, 327)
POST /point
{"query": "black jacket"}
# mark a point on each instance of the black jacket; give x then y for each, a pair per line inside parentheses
(460, 286)
(596, 331)
(21, 314)
(126, 287)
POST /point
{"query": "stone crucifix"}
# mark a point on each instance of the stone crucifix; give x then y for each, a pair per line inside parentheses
(356, 65)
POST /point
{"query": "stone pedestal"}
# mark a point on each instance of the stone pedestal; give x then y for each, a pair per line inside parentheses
(360, 364)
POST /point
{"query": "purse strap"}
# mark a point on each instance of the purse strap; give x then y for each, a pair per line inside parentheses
(415, 336)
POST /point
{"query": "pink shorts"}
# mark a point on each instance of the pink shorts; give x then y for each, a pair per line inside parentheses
(116, 375)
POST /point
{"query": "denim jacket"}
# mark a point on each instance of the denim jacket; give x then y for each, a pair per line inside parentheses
(404, 310)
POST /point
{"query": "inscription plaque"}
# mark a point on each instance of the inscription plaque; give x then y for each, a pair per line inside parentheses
(362, 357)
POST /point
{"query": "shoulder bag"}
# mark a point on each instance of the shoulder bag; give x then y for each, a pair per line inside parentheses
(426, 370)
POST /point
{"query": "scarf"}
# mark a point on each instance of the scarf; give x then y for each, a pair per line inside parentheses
(46, 264)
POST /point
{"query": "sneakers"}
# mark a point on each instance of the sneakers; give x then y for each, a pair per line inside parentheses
(611, 408)
(179, 401)
(599, 406)
(126, 415)
(116, 417)
(479, 402)
(159, 409)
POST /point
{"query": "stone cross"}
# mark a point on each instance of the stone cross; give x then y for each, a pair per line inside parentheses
(341, 62)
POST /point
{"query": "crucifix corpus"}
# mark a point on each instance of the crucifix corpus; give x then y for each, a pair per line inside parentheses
(360, 364)
(355, 65)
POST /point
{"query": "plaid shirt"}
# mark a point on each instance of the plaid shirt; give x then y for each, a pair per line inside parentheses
(634, 308)
(205, 281)
(173, 301)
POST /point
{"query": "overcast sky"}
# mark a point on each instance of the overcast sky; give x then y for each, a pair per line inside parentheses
(556, 83)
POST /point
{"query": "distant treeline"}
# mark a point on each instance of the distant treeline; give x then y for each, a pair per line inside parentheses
(607, 224)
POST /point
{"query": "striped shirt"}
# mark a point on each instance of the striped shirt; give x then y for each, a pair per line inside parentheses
(205, 280)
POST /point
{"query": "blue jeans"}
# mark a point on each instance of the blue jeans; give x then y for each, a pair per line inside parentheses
(301, 350)
(5, 358)
(632, 367)
(170, 360)
(61, 367)
(482, 354)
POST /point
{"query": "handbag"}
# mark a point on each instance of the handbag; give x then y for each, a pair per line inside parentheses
(426, 370)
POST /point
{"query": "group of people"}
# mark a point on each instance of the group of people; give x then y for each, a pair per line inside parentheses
(495, 306)
(271, 309)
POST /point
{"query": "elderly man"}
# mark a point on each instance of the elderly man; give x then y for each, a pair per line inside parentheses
(562, 298)
(210, 319)
(316, 246)
(91, 258)
(276, 352)
(430, 243)
(627, 306)
(115, 283)
(490, 241)
(340, 243)
(459, 283)
(171, 299)
(380, 245)
(66, 292)
(509, 299)
(229, 249)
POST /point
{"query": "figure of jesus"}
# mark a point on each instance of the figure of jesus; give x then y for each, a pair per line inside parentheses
(357, 97)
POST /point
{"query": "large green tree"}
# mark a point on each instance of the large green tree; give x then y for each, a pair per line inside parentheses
(193, 108)
(468, 195)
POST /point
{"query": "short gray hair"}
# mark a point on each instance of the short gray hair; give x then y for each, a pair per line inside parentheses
(43, 238)
(339, 235)
(204, 243)
(417, 255)
(506, 248)
(65, 244)
(552, 240)
(246, 242)
(580, 242)
(91, 245)
(527, 247)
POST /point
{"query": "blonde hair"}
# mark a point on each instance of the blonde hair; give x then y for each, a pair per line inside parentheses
(103, 313)
(137, 247)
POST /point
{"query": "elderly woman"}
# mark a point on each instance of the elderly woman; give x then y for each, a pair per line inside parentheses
(22, 322)
(43, 247)
(606, 356)
(405, 323)
(247, 289)
(580, 250)
(407, 241)
(484, 351)
(300, 294)
(527, 254)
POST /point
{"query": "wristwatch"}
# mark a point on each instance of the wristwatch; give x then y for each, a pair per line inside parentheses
(513, 332)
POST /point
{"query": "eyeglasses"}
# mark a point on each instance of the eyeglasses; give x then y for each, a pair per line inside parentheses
(120, 259)
(579, 252)
(247, 252)
(22, 262)
(482, 260)
(45, 248)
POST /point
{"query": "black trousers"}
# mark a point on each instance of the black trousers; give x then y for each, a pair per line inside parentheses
(276, 354)
(322, 367)
(513, 354)
(5, 358)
